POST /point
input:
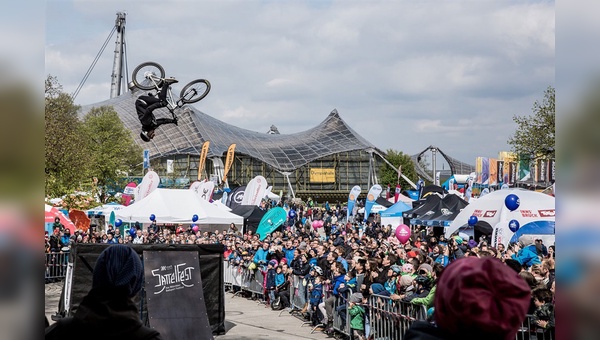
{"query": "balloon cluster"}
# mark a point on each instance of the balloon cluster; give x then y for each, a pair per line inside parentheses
(317, 224)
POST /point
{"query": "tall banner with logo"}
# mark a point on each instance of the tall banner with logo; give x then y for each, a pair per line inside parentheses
(255, 191)
(203, 189)
(551, 171)
(172, 279)
(352, 197)
(146, 158)
(397, 193)
(502, 174)
(524, 171)
(542, 171)
(372, 195)
(149, 184)
(129, 193)
(512, 172)
(170, 167)
(229, 161)
(479, 170)
(493, 166)
(437, 178)
(485, 170)
(235, 197)
(202, 159)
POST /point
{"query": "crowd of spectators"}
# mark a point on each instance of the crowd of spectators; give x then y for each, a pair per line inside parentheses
(349, 260)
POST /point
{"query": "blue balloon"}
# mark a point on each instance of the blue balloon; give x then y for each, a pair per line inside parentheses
(292, 213)
(512, 202)
(513, 225)
(473, 220)
(152, 217)
(132, 231)
(118, 223)
(194, 218)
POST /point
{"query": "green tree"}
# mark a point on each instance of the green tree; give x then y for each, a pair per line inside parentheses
(112, 149)
(66, 160)
(534, 137)
(388, 175)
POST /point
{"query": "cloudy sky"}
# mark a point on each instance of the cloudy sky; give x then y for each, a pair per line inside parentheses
(403, 74)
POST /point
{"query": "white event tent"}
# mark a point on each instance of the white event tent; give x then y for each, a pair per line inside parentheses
(177, 206)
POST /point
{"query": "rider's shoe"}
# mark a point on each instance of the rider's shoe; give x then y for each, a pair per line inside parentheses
(170, 81)
(175, 120)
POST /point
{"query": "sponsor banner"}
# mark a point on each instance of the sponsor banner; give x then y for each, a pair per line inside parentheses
(485, 170)
(397, 193)
(170, 167)
(149, 184)
(129, 193)
(372, 195)
(352, 197)
(478, 169)
(542, 171)
(551, 170)
(437, 178)
(529, 213)
(547, 213)
(146, 157)
(255, 191)
(512, 173)
(229, 161)
(235, 197)
(322, 175)
(524, 171)
(202, 159)
(493, 180)
(203, 189)
(172, 280)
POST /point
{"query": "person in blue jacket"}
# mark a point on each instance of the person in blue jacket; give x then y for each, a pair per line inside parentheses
(327, 306)
(260, 258)
(526, 252)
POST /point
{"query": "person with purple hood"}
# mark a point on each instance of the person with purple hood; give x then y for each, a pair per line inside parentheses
(472, 243)
(477, 298)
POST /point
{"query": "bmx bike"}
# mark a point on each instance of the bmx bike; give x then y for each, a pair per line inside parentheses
(150, 76)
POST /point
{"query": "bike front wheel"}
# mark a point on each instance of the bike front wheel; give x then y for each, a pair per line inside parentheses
(194, 91)
(141, 72)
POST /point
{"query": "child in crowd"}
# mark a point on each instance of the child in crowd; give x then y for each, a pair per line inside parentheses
(543, 316)
(357, 316)
(271, 273)
(393, 272)
(316, 297)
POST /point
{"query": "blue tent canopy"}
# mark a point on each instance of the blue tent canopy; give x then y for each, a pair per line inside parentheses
(534, 228)
(395, 210)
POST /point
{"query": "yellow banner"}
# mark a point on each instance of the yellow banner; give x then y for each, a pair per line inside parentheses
(322, 175)
(203, 154)
(228, 161)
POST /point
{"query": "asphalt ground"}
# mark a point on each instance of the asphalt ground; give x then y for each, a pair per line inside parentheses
(245, 319)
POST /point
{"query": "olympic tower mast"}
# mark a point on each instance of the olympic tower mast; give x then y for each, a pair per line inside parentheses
(119, 60)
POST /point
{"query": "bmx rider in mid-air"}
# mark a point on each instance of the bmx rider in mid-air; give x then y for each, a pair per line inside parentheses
(146, 104)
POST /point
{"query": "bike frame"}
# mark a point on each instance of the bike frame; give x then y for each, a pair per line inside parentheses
(171, 103)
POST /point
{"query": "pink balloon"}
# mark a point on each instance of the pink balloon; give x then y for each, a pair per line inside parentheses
(317, 224)
(195, 228)
(403, 233)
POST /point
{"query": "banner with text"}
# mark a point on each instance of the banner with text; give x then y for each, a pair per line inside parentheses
(174, 295)
(202, 159)
(322, 175)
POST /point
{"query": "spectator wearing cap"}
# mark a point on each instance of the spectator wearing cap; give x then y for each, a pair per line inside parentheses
(468, 307)
(271, 284)
(392, 274)
(424, 285)
(525, 252)
(108, 310)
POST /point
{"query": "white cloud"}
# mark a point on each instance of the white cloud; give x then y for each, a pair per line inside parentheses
(393, 69)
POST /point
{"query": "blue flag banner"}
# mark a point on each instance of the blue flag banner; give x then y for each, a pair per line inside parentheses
(146, 156)
(373, 194)
(352, 197)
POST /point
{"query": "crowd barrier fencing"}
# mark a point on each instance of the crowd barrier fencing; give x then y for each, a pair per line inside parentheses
(56, 265)
(384, 318)
(241, 279)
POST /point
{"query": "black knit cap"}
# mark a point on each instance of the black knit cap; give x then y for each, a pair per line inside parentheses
(119, 267)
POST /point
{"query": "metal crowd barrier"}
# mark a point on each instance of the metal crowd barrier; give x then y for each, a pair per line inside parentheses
(242, 279)
(391, 319)
(530, 331)
(384, 318)
(56, 265)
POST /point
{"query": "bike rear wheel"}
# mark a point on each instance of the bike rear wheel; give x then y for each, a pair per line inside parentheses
(139, 75)
(194, 91)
